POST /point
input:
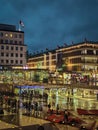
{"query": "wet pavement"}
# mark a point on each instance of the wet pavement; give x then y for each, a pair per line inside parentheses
(19, 121)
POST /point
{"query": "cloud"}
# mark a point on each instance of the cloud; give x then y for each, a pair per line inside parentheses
(49, 23)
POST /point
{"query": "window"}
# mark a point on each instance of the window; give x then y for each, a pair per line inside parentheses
(11, 35)
(12, 48)
(16, 48)
(2, 61)
(6, 41)
(7, 47)
(94, 51)
(6, 35)
(90, 52)
(16, 61)
(20, 36)
(7, 54)
(7, 61)
(20, 61)
(1, 34)
(21, 55)
(20, 42)
(21, 48)
(12, 54)
(2, 47)
(15, 35)
(1, 40)
(2, 54)
(11, 41)
(15, 42)
(12, 61)
(16, 54)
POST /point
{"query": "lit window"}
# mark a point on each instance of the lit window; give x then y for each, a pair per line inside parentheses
(94, 52)
(6, 35)
(11, 35)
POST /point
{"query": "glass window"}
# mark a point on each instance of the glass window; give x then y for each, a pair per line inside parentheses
(21, 55)
(2, 61)
(6, 35)
(12, 54)
(12, 61)
(1, 40)
(7, 61)
(16, 54)
(15, 42)
(20, 42)
(7, 47)
(11, 35)
(12, 48)
(16, 61)
(1, 34)
(20, 36)
(2, 54)
(6, 41)
(16, 48)
(21, 48)
(7, 54)
(2, 47)
(20, 61)
(15, 35)
(11, 41)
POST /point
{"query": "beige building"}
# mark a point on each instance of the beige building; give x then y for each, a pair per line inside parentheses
(78, 57)
(12, 47)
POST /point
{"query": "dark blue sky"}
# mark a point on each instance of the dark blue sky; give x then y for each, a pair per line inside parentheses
(49, 23)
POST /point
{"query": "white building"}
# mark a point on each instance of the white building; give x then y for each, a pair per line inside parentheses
(12, 47)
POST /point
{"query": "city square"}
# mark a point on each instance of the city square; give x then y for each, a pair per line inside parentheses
(49, 65)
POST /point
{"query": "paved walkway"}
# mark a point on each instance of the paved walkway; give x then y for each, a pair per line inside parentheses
(32, 123)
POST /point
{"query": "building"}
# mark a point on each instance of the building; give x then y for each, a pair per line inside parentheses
(81, 57)
(12, 47)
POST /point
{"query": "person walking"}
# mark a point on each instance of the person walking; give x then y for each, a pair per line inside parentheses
(57, 109)
(65, 116)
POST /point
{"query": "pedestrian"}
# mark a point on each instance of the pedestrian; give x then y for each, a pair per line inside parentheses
(65, 116)
(57, 108)
(49, 106)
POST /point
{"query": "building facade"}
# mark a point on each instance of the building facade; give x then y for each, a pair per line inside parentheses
(78, 57)
(12, 47)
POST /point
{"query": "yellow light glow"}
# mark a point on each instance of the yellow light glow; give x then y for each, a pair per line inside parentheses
(11, 35)
(6, 35)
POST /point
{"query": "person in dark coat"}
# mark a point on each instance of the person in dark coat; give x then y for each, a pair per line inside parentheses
(65, 116)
